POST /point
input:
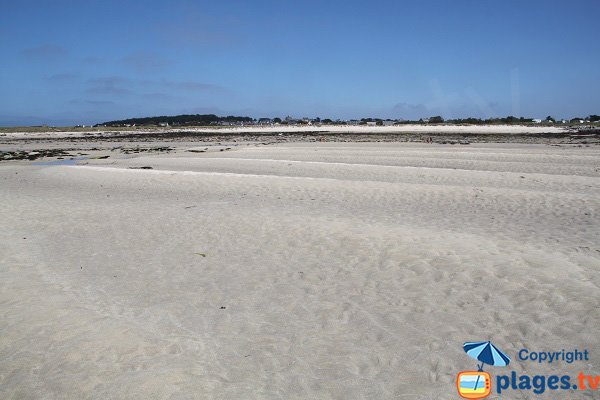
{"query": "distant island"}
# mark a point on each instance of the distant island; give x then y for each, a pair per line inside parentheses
(214, 120)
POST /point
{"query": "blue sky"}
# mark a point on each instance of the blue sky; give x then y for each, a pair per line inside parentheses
(67, 62)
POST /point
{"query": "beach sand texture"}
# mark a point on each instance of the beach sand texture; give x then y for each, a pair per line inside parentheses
(107, 132)
(297, 271)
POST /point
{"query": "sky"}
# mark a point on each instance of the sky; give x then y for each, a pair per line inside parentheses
(69, 62)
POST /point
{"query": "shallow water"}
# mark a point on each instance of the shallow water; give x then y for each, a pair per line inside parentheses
(70, 161)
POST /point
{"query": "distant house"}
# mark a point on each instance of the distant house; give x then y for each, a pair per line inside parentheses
(163, 124)
(536, 121)
(388, 122)
(265, 121)
(291, 121)
(371, 123)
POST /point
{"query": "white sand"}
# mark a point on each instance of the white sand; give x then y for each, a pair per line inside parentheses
(268, 130)
(347, 271)
(482, 129)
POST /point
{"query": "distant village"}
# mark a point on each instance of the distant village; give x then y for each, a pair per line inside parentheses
(233, 121)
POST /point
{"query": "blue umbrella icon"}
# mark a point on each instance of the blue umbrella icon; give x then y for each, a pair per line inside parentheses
(487, 353)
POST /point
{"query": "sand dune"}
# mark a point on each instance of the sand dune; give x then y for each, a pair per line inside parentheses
(300, 271)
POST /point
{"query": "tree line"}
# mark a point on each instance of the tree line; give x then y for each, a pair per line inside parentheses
(212, 119)
(184, 119)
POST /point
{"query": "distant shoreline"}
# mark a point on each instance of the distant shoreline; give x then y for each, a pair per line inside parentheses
(52, 144)
(56, 133)
(17, 145)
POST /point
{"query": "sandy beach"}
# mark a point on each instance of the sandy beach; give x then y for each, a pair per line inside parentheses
(294, 270)
(107, 132)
